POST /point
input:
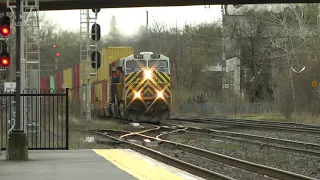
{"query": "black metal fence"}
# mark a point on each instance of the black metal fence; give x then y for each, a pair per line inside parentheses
(44, 117)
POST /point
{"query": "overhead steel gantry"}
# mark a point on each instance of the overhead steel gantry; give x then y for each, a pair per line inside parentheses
(29, 60)
(87, 46)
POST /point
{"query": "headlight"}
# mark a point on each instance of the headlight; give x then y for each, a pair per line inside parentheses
(148, 74)
(137, 94)
(160, 95)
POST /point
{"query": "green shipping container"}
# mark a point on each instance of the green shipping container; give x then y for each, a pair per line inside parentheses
(52, 84)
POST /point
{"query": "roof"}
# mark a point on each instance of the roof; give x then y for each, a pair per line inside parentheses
(89, 4)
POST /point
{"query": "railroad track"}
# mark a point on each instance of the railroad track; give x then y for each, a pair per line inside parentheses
(293, 124)
(249, 166)
(281, 144)
(166, 159)
(252, 124)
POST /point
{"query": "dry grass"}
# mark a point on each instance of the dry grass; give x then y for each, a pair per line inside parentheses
(180, 96)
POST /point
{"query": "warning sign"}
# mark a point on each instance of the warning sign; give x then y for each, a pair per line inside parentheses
(314, 83)
(9, 87)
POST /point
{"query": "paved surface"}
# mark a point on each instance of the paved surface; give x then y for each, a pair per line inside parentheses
(144, 167)
(98, 164)
(62, 165)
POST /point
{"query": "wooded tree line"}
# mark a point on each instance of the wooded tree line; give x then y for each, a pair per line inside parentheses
(268, 43)
(273, 42)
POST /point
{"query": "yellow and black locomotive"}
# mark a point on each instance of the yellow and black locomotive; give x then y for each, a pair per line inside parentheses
(140, 87)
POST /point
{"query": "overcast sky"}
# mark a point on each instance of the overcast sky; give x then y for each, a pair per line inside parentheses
(129, 19)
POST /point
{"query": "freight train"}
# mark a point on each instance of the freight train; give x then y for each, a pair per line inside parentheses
(128, 85)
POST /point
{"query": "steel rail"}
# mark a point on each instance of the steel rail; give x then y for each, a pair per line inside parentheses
(253, 121)
(251, 125)
(249, 166)
(259, 138)
(264, 144)
(170, 160)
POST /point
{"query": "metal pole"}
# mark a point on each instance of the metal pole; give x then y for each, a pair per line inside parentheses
(18, 73)
(24, 122)
(88, 98)
(147, 19)
(95, 43)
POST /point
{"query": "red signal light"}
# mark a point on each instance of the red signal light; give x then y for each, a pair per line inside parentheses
(54, 46)
(57, 54)
(5, 31)
(5, 61)
(5, 26)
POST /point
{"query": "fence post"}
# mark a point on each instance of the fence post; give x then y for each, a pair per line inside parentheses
(67, 118)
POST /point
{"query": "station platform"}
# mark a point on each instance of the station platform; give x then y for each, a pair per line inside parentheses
(97, 164)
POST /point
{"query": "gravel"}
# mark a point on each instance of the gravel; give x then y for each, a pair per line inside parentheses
(212, 165)
(293, 162)
(302, 137)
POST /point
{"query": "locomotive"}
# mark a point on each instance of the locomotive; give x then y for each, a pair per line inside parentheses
(140, 87)
(128, 85)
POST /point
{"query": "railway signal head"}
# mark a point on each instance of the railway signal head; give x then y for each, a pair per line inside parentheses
(54, 45)
(5, 59)
(3, 46)
(94, 30)
(5, 26)
(96, 10)
(93, 60)
(57, 54)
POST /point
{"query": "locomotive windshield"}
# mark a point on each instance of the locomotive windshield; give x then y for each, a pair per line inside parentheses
(158, 63)
(136, 64)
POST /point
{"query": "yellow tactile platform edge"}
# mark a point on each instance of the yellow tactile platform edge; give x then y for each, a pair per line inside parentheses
(135, 166)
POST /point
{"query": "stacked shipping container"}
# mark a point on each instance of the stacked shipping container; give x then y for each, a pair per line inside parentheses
(108, 55)
(100, 85)
(45, 84)
(76, 81)
(52, 83)
(58, 80)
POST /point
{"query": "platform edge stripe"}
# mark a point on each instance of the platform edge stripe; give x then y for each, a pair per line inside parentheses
(135, 166)
(118, 164)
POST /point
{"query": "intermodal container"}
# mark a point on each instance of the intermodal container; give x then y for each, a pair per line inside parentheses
(109, 55)
(93, 94)
(59, 80)
(67, 78)
(52, 84)
(104, 92)
(75, 78)
(98, 92)
(44, 84)
(75, 82)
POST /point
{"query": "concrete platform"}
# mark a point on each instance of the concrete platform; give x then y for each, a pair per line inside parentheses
(111, 164)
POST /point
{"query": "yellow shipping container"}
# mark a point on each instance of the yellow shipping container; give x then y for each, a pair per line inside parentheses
(109, 55)
(67, 80)
(67, 77)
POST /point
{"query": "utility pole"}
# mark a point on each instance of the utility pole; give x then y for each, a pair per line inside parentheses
(147, 14)
(224, 56)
